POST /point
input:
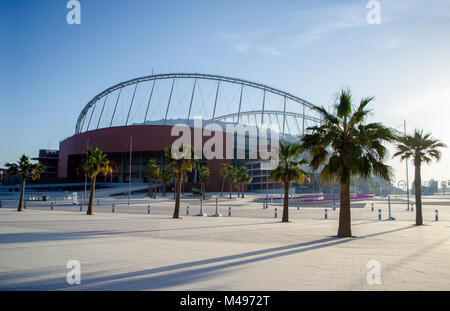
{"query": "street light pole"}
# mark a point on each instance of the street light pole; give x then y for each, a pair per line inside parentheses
(407, 179)
(129, 177)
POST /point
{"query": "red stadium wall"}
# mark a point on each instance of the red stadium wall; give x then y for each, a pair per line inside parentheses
(145, 138)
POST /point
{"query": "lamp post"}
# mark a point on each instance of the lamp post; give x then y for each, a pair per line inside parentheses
(406, 164)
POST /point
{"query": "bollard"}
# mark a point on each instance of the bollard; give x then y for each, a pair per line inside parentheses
(298, 207)
(187, 210)
(389, 206)
(113, 208)
(229, 211)
(81, 207)
(371, 204)
(326, 213)
(379, 214)
(436, 215)
(148, 209)
(51, 206)
(98, 202)
(276, 212)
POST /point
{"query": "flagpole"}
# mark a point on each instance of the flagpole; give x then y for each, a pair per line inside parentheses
(407, 180)
(129, 178)
(85, 176)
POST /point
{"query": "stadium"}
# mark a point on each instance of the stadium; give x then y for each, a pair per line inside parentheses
(132, 121)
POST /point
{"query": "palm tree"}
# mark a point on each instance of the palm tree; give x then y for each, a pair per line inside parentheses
(178, 163)
(243, 178)
(93, 163)
(203, 176)
(289, 170)
(231, 177)
(152, 173)
(24, 168)
(223, 171)
(443, 185)
(420, 148)
(347, 146)
(165, 178)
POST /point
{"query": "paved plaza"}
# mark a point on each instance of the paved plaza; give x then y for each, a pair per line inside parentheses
(251, 250)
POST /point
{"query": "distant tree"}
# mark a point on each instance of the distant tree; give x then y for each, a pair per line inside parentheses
(179, 162)
(93, 163)
(289, 170)
(203, 176)
(231, 177)
(152, 173)
(243, 178)
(443, 185)
(24, 168)
(420, 148)
(166, 178)
(223, 172)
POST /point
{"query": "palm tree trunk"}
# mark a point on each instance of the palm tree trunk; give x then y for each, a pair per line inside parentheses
(91, 198)
(176, 213)
(154, 190)
(242, 191)
(149, 189)
(223, 185)
(164, 190)
(286, 203)
(231, 189)
(345, 229)
(418, 188)
(22, 193)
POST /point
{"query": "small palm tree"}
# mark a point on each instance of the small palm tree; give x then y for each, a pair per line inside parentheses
(179, 163)
(243, 178)
(165, 178)
(347, 146)
(223, 172)
(152, 173)
(420, 148)
(203, 176)
(289, 170)
(24, 168)
(231, 177)
(93, 163)
(443, 185)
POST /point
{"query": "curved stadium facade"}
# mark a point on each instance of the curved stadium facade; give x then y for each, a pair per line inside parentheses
(132, 122)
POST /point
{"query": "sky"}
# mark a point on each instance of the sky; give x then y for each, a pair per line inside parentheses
(312, 49)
